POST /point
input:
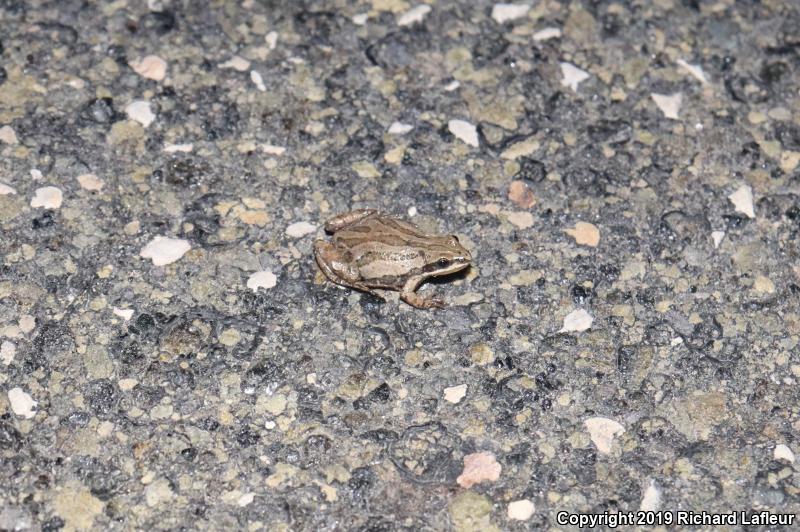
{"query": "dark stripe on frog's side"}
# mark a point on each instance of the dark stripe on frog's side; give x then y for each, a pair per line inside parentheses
(358, 229)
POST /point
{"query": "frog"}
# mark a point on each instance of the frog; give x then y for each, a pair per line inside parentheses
(374, 250)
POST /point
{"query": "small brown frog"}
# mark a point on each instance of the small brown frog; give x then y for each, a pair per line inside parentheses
(371, 249)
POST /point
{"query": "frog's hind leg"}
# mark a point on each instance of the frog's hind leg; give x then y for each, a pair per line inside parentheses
(334, 266)
(347, 218)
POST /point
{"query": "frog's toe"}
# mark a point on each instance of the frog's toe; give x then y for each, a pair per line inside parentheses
(416, 300)
(435, 302)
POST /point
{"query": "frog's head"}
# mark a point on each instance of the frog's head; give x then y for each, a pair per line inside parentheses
(445, 255)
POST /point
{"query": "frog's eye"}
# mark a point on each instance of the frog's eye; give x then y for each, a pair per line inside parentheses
(443, 262)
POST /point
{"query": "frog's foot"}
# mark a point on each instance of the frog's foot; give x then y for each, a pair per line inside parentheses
(347, 218)
(418, 301)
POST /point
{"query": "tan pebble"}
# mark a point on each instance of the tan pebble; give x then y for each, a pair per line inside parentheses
(585, 234)
(8, 135)
(230, 337)
(479, 467)
(520, 194)
(764, 285)
(521, 219)
(395, 155)
(789, 160)
(254, 217)
(131, 228)
(237, 63)
(150, 67)
(90, 182)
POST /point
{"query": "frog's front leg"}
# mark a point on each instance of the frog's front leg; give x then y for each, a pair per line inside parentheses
(336, 268)
(409, 295)
(347, 218)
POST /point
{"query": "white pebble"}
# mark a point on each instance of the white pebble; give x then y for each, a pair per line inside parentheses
(47, 197)
(127, 384)
(22, 403)
(602, 431)
(412, 211)
(783, 452)
(398, 128)
(125, 314)
(521, 510)
(164, 250)
(716, 237)
(273, 150)
(271, 39)
(237, 63)
(140, 111)
(573, 76)
(742, 199)
(183, 148)
(577, 321)
(150, 67)
(300, 229)
(360, 19)
(8, 135)
(90, 182)
(415, 14)
(27, 323)
(7, 352)
(263, 279)
(547, 34)
(464, 131)
(256, 78)
(669, 104)
(453, 85)
(6, 189)
(695, 70)
(504, 12)
(454, 394)
(246, 499)
(651, 498)
(36, 174)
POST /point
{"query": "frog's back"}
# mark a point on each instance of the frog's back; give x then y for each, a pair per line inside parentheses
(381, 228)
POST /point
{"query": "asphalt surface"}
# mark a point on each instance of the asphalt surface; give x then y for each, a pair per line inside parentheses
(627, 339)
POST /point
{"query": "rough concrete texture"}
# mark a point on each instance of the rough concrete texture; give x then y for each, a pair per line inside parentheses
(625, 174)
